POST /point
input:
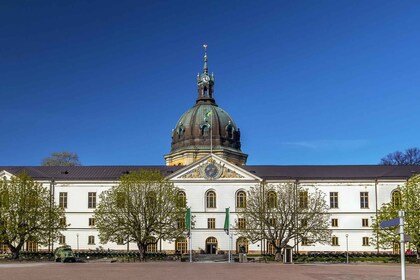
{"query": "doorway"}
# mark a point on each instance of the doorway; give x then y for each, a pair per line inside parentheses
(211, 245)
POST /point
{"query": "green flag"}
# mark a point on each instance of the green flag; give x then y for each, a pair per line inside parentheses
(226, 227)
(188, 219)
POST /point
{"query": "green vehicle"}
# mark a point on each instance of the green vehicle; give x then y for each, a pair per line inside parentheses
(64, 254)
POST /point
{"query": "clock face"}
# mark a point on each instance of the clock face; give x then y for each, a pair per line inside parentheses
(211, 170)
(206, 78)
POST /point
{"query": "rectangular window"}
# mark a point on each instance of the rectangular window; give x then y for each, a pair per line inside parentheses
(334, 222)
(62, 239)
(333, 199)
(304, 223)
(211, 223)
(92, 200)
(241, 223)
(303, 199)
(120, 241)
(91, 240)
(365, 241)
(32, 246)
(4, 248)
(364, 200)
(63, 200)
(365, 222)
(91, 222)
(305, 241)
(334, 241)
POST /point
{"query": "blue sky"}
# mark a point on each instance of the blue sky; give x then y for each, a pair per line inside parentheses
(307, 82)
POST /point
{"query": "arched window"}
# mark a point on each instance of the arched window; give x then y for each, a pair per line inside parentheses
(182, 199)
(242, 245)
(396, 198)
(240, 199)
(272, 199)
(181, 245)
(152, 246)
(205, 129)
(211, 199)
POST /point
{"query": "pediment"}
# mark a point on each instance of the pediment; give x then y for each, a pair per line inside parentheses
(5, 175)
(212, 168)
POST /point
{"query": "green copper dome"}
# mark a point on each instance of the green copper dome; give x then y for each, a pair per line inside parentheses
(205, 128)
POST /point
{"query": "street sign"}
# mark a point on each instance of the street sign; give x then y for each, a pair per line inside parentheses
(390, 223)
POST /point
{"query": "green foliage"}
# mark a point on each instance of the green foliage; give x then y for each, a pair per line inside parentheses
(410, 204)
(27, 213)
(62, 159)
(143, 208)
(285, 213)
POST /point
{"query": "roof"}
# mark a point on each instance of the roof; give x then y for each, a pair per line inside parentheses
(267, 172)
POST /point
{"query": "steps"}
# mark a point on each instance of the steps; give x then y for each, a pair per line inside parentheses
(210, 258)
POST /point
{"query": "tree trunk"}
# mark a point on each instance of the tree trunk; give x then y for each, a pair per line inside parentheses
(142, 249)
(15, 251)
(278, 257)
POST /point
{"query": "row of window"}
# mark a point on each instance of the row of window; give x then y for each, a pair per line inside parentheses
(62, 199)
(272, 201)
(334, 222)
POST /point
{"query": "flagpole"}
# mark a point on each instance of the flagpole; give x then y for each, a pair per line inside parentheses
(211, 133)
(230, 245)
(190, 238)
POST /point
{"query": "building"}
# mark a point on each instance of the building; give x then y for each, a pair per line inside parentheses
(207, 163)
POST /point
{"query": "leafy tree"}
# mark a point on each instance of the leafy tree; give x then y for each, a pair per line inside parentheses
(284, 214)
(411, 156)
(143, 208)
(27, 213)
(62, 159)
(407, 199)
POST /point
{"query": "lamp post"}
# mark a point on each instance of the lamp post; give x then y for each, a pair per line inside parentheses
(77, 244)
(347, 248)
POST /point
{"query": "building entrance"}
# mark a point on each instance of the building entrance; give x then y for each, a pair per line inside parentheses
(211, 245)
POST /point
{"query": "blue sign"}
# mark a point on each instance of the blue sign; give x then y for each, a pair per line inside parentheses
(390, 223)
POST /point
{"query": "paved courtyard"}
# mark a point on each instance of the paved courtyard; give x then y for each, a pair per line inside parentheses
(201, 271)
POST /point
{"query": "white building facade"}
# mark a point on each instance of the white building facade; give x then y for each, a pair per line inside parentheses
(354, 194)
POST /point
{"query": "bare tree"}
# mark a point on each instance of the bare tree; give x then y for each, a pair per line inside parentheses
(62, 159)
(143, 208)
(411, 156)
(285, 214)
(27, 213)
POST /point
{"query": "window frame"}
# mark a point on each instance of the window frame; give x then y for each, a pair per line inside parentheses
(364, 200)
(91, 200)
(241, 199)
(211, 223)
(333, 200)
(62, 200)
(211, 199)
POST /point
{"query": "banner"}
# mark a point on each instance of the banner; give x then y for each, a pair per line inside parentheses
(226, 227)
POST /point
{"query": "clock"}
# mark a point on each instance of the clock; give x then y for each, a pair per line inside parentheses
(211, 171)
(206, 78)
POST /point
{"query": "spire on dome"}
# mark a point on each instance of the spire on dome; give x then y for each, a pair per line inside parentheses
(205, 68)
